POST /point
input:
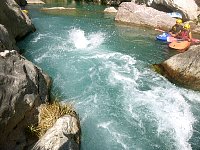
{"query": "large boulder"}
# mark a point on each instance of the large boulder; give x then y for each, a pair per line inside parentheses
(131, 13)
(64, 135)
(188, 8)
(14, 20)
(184, 68)
(6, 41)
(23, 88)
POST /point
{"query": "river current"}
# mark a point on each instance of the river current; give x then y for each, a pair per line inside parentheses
(104, 69)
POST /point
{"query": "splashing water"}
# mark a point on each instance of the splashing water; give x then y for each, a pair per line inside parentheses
(122, 104)
(78, 38)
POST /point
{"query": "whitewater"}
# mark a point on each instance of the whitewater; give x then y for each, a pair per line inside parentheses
(104, 70)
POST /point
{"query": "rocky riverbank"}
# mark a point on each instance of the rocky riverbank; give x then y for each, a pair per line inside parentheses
(133, 14)
(182, 68)
(24, 87)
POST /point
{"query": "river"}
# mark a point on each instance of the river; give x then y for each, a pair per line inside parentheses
(104, 69)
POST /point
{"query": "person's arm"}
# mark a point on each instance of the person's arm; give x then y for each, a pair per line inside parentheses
(178, 34)
(171, 31)
(190, 37)
(172, 34)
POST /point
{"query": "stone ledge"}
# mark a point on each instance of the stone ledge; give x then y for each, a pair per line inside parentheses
(35, 2)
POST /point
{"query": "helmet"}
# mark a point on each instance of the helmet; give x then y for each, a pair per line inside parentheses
(187, 26)
(178, 21)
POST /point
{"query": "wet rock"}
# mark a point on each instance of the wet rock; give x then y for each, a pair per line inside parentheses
(131, 13)
(23, 88)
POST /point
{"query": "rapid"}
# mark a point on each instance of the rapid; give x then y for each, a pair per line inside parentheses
(104, 69)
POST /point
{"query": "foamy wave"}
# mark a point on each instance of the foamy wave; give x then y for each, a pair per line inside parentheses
(116, 136)
(172, 114)
(78, 38)
(38, 37)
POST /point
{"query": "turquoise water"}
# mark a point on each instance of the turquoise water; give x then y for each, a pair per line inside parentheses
(103, 68)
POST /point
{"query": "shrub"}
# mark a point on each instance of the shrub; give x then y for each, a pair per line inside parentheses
(48, 114)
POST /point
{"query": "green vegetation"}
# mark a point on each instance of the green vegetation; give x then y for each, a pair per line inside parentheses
(157, 68)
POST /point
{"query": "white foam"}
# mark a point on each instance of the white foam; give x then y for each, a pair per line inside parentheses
(81, 41)
(115, 135)
(38, 37)
(104, 125)
(166, 107)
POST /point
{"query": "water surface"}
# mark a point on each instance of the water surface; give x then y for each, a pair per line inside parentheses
(103, 68)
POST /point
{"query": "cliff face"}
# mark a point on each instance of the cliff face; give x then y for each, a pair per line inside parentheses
(6, 41)
(23, 88)
(17, 24)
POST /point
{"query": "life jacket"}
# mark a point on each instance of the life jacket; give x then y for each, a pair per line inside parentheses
(184, 34)
(176, 28)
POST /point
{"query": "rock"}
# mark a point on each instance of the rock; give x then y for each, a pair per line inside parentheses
(64, 135)
(110, 10)
(6, 41)
(196, 29)
(35, 2)
(131, 13)
(21, 3)
(197, 2)
(59, 10)
(184, 68)
(23, 88)
(14, 20)
(188, 8)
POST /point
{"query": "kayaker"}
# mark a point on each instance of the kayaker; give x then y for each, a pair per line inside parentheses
(176, 29)
(186, 33)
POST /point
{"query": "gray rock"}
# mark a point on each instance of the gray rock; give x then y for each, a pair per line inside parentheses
(14, 20)
(35, 2)
(188, 8)
(110, 10)
(23, 88)
(131, 13)
(184, 68)
(6, 41)
(64, 135)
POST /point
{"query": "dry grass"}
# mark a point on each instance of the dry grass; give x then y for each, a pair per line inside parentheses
(48, 115)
